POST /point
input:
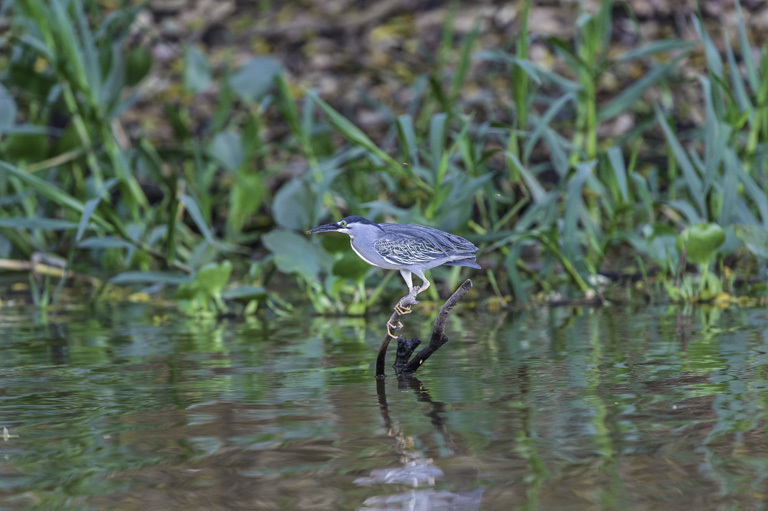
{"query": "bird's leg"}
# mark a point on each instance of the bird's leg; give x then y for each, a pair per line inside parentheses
(399, 307)
(425, 284)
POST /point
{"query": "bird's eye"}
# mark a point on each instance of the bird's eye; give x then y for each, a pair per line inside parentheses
(343, 223)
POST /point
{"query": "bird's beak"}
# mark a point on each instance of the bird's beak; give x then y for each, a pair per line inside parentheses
(325, 228)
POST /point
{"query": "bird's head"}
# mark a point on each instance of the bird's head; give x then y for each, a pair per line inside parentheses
(351, 225)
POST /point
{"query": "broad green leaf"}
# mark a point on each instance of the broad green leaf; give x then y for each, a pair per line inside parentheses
(351, 267)
(255, 78)
(295, 254)
(197, 73)
(227, 148)
(293, 205)
(213, 277)
(700, 242)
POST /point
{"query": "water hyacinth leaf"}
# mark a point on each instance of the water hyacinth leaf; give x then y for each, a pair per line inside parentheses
(227, 148)
(700, 242)
(754, 237)
(351, 267)
(293, 205)
(150, 277)
(335, 244)
(213, 277)
(255, 78)
(197, 73)
(46, 224)
(294, 254)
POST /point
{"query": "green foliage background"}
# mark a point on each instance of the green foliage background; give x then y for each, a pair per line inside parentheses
(554, 204)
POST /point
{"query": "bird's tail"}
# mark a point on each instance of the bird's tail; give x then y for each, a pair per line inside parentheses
(469, 261)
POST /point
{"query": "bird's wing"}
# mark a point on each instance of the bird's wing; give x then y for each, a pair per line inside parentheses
(407, 250)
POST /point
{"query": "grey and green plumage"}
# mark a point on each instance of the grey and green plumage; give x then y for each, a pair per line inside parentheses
(409, 248)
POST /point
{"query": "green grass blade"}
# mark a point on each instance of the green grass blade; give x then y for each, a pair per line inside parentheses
(45, 224)
(616, 160)
(194, 211)
(746, 51)
(695, 187)
(652, 48)
(50, 191)
(462, 67)
(631, 94)
(536, 190)
(542, 123)
(407, 137)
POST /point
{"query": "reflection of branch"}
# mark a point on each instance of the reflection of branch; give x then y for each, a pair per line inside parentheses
(435, 413)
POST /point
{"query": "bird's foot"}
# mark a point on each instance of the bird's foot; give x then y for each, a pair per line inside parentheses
(403, 309)
(390, 326)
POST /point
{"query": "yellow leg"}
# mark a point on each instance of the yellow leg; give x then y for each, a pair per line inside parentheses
(390, 326)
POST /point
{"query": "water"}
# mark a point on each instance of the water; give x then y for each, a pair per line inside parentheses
(568, 408)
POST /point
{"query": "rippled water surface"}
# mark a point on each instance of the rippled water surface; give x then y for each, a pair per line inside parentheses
(567, 408)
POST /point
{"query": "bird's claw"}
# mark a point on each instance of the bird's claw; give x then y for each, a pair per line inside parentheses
(403, 309)
(390, 326)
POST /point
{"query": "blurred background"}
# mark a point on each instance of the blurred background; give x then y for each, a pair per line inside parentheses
(180, 148)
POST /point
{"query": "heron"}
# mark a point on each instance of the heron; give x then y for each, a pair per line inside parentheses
(409, 248)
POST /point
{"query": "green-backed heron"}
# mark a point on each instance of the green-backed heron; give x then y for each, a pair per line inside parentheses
(409, 248)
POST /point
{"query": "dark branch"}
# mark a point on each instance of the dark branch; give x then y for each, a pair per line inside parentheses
(438, 332)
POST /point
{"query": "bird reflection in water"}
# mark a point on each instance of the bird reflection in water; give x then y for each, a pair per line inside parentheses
(416, 470)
